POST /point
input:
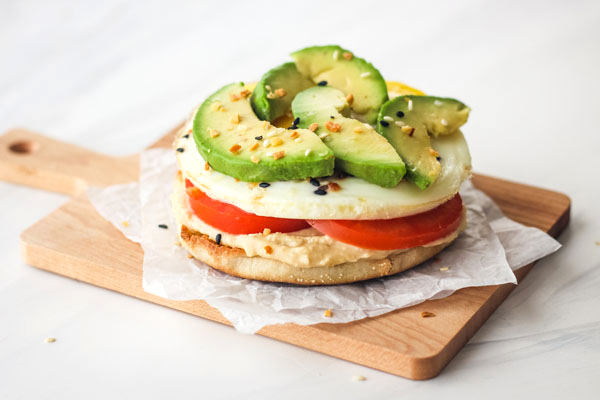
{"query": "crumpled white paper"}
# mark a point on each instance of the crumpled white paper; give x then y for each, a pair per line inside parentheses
(487, 252)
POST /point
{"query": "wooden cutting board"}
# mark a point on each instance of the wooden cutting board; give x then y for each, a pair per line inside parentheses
(75, 241)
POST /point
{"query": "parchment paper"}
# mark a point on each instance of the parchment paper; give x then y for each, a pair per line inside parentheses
(487, 252)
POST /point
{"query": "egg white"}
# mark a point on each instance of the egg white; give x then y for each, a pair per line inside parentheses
(357, 199)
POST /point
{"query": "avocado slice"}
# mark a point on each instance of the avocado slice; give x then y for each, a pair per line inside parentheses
(235, 142)
(359, 150)
(408, 121)
(339, 68)
(275, 91)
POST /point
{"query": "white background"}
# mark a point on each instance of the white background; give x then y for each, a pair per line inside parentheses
(114, 77)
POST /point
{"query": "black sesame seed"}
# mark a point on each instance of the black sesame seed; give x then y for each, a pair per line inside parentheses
(296, 121)
(323, 187)
(384, 123)
(438, 158)
(180, 149)
(187, 135)
(322, 83)
(218, 238)
(320, 192)
(163, 226)
(400, 114)
(258, 137)
(315, 182)
(331, 116)
(264, 184)
(292, 127)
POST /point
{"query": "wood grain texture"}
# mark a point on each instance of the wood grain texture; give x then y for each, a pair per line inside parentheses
(76, 242)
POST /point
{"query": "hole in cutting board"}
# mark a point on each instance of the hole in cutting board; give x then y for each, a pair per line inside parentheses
(23, 147)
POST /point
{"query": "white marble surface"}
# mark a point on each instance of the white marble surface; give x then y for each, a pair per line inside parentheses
(114, 76)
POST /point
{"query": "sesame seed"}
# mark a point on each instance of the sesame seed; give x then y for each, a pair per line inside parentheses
(187, 135)
(323, 135)
(296, 121)
(332, 117)
(180, 149)
(264, 184)
(427, 314)
(294, 134)
(277, 141)
(254, 146)
(350, 99)
(266, 125)
(272, 133)
(336, 55)
(258, 137)
(213, 133)
(437, 103)
(242, 128)
(410, 105)
(218, 238)
(125, 224)
(320, 192)
(365, 74)
(444, 122)
(444, 268)
(266, 143)
(358, 378)
(322, 83)
(388, 118)
(315, 182)
(255, 159)
(399, 123)
(347, 55)
(307, 152)
(384, 123)
(50, 340)
(358, 129)
(278, 155)
(298, 140)
(313, 127)
(163, 226)
(268, 87)
(438, 158)
(235, 148)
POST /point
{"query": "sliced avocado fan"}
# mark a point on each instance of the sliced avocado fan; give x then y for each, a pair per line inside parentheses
(408, 121)
(359, 150)
(235, 142)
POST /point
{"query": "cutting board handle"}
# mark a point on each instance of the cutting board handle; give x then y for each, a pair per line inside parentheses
(35, 160)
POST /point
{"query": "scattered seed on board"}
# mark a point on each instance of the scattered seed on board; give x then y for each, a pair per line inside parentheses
(125, 224)
(163, 226)
(445, 269)
(50, 340)
(218, 238)
(358, 378)
(427, 314)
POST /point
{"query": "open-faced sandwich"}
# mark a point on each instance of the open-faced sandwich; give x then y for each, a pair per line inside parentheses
(321, 173)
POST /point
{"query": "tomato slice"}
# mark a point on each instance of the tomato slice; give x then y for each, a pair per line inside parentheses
(397, 233)
(231, 219)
